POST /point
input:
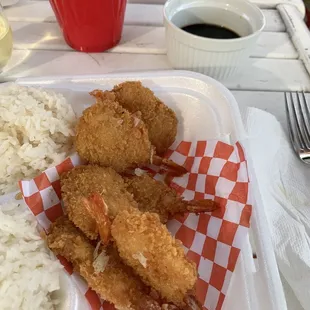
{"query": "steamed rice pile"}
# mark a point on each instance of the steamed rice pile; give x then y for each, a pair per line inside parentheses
(36, 132)
(28, 270)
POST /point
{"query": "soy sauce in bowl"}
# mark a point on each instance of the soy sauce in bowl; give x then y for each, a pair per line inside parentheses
(211, 31)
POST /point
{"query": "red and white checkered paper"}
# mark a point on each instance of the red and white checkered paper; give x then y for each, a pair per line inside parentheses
(212, 240)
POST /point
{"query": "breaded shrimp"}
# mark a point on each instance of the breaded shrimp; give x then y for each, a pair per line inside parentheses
(147, 246)
(82, 181)
(110, 136)
(160, 120)
(157, 197)
(115, 282)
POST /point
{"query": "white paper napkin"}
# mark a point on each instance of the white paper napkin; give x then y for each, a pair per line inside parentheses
(284, 184)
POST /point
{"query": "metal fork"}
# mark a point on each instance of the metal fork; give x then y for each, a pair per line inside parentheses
(298, 119)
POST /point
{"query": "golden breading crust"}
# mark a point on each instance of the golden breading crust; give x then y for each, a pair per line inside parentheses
(116, 284)
(82, 181)
(147, 246)
(154, 196)
(66, 240)
(160, 120)
(110, 136)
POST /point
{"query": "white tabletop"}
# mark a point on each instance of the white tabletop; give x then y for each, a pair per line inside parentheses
(39, 48)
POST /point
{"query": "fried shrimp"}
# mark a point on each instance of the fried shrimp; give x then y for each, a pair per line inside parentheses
(82, 181)
(157, 197)
(151, 243)
(115, 282)
(160, 120)
(147, 246)
(110, 136)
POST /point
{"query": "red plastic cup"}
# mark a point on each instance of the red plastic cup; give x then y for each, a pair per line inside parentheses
(90, 25)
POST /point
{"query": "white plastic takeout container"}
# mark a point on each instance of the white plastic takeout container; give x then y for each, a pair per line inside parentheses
(218, 58)
(256, 282)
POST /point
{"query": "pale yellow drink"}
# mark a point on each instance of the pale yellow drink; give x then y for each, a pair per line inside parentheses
(6, 41)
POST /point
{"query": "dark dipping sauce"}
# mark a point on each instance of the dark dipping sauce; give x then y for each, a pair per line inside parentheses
(210, 31)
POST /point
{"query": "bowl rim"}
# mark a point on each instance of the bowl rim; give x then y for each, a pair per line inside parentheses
(212, 40)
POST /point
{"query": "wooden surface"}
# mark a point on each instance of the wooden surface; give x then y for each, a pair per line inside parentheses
(265, 4)
(272, 102)
(39, 48)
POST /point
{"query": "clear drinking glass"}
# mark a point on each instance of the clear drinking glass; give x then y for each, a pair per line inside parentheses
(6, 40)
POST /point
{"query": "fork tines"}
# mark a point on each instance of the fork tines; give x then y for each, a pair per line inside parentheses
(298, 118)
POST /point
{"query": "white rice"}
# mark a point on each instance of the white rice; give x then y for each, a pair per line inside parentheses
(29, 272)
(36, 132)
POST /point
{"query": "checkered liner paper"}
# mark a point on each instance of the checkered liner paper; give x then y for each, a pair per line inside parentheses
(212, 240)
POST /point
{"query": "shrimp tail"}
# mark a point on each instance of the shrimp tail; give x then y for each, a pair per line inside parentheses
(192, 303)
(172, 168)
(98, 210)
(199, 206)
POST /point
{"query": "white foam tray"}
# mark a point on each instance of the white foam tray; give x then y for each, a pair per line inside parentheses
(255, 283)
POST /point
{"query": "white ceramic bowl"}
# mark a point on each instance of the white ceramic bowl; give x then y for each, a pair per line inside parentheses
(218, 58)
